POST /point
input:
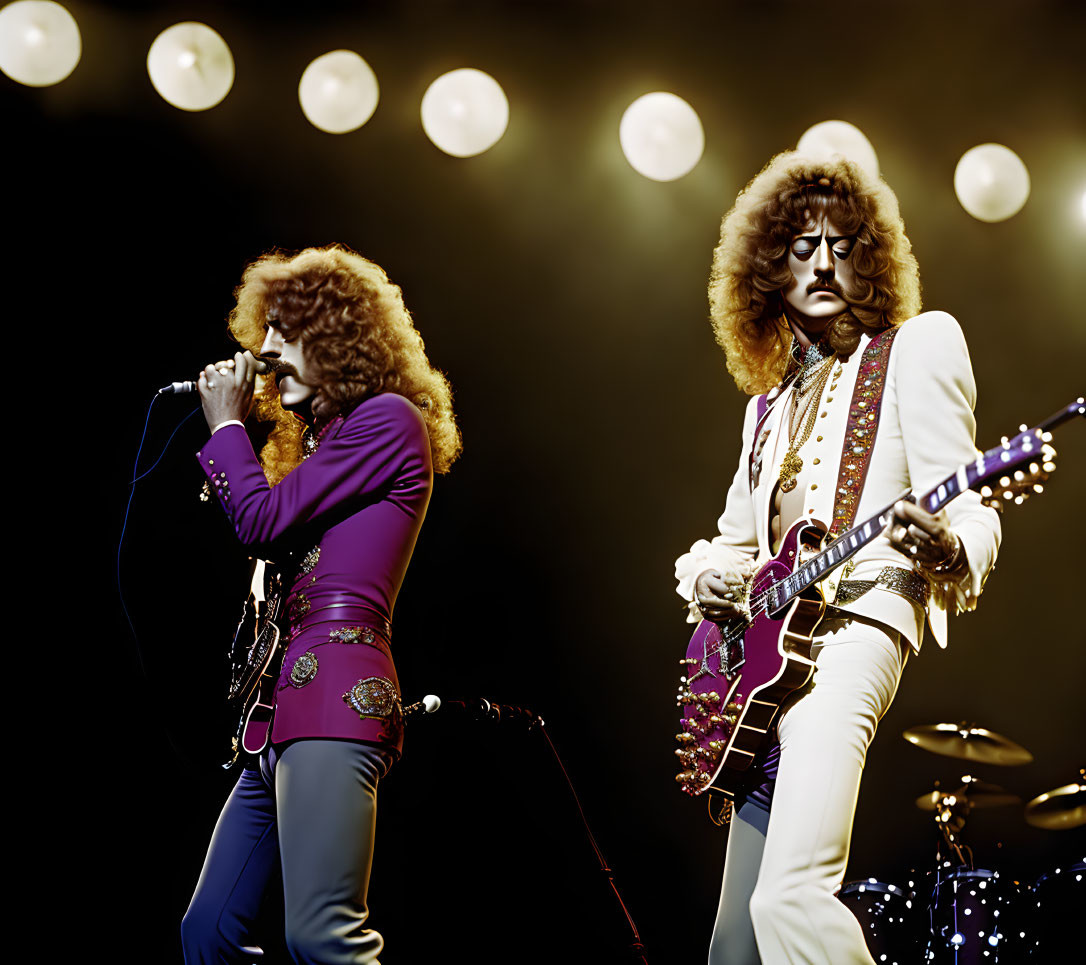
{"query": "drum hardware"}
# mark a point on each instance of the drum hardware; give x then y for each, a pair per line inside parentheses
(968, 742)
(950, 808)
(1060, 809)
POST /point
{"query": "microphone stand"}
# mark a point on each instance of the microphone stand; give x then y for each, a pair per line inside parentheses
(493, 713)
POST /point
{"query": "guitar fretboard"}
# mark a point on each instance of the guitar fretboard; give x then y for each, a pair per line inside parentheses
(1002, 459)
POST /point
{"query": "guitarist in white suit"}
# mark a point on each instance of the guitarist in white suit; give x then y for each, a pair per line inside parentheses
(856, 398)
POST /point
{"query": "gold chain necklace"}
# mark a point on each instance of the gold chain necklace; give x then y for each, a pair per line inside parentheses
(792, 465)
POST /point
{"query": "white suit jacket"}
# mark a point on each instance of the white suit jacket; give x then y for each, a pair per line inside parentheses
(925, 431)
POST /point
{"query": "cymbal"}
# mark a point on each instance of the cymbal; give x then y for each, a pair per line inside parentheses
(973, 794)
(1060, 809)
(968, 743)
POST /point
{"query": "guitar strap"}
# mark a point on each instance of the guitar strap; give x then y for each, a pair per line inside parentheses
(863, 423)
(762, 409)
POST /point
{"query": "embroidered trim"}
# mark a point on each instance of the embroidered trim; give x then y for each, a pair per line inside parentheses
(863, 424)
(906, 583)
(299, 607)
(373, 697)
(352, 635)
(304, 669)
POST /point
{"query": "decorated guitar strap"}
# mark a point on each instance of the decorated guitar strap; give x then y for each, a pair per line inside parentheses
(864, 413)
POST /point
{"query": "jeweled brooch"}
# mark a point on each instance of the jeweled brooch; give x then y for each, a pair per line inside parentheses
(304, 669)
(373, 697)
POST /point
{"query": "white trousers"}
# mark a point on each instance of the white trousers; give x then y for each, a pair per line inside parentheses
(781, 877)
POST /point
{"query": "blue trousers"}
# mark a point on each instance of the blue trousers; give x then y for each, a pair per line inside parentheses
(309, 811)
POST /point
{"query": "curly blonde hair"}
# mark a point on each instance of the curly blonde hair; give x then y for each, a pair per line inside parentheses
(358, 339)
(750, 264)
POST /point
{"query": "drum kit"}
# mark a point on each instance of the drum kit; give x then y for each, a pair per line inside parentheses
(959, 914)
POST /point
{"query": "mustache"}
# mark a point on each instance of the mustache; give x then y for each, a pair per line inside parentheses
(269, 363)
(825, 286)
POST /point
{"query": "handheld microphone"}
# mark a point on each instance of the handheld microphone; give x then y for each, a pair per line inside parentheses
(264, 365)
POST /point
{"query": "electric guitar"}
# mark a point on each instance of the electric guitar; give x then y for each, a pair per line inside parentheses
(255, 659)
(739, 672)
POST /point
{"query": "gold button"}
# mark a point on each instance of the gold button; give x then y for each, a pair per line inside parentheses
(818, 438)
(814, 485)
(822, 415)
(817, 460)
(829, 398)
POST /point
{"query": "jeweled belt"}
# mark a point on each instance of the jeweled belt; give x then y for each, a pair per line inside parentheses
(896, 579)
(299, 618)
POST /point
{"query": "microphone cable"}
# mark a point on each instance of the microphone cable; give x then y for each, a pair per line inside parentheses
(136, 477)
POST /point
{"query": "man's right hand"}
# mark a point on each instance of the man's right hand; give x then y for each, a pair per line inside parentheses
(718, 594)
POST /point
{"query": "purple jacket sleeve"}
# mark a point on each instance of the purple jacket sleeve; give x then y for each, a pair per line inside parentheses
(363, 456)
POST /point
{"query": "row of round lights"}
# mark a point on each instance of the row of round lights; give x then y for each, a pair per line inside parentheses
(464, 112)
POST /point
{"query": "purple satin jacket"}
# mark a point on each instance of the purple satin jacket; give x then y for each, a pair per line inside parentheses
(341, 526)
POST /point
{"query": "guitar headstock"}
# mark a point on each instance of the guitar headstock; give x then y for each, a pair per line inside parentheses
(1017, 467)
(1019, 484)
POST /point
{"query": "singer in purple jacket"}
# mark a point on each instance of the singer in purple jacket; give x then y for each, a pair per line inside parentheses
(336, 500)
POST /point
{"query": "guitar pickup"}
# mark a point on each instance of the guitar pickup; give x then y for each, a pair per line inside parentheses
(732, 654)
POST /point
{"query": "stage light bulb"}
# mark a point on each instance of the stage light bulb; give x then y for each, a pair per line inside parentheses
(191, 66)
(661, 136)
(829, 139)
(39, 42)
(991, 182)
(338, 92)
(465, 112)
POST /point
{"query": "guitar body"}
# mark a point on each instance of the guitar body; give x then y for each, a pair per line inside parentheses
(739, 673)
(256, 656)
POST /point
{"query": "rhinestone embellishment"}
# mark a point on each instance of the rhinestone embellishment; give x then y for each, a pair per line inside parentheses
(309, 561)
(373, 697)
(352, 635)
(304, 669)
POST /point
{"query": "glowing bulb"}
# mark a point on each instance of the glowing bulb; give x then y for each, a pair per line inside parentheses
(465, 112)
(190, 66)
(39, 42)
(831, 139)
(338, 92)
(661, 136)
(991, 182)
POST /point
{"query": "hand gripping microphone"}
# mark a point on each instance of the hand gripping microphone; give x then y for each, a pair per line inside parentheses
(264, 365)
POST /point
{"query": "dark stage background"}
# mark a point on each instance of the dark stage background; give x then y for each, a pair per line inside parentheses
(563, 293)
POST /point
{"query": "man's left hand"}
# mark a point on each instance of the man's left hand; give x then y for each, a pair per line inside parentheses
(921, 536)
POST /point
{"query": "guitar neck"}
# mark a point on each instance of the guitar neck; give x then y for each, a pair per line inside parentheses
(994, 466)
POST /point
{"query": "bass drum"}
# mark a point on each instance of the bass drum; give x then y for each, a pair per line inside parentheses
(1056, 901)
(976, 918)
(893, 925)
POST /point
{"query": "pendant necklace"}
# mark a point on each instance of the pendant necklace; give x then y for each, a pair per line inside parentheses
(812, 378)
